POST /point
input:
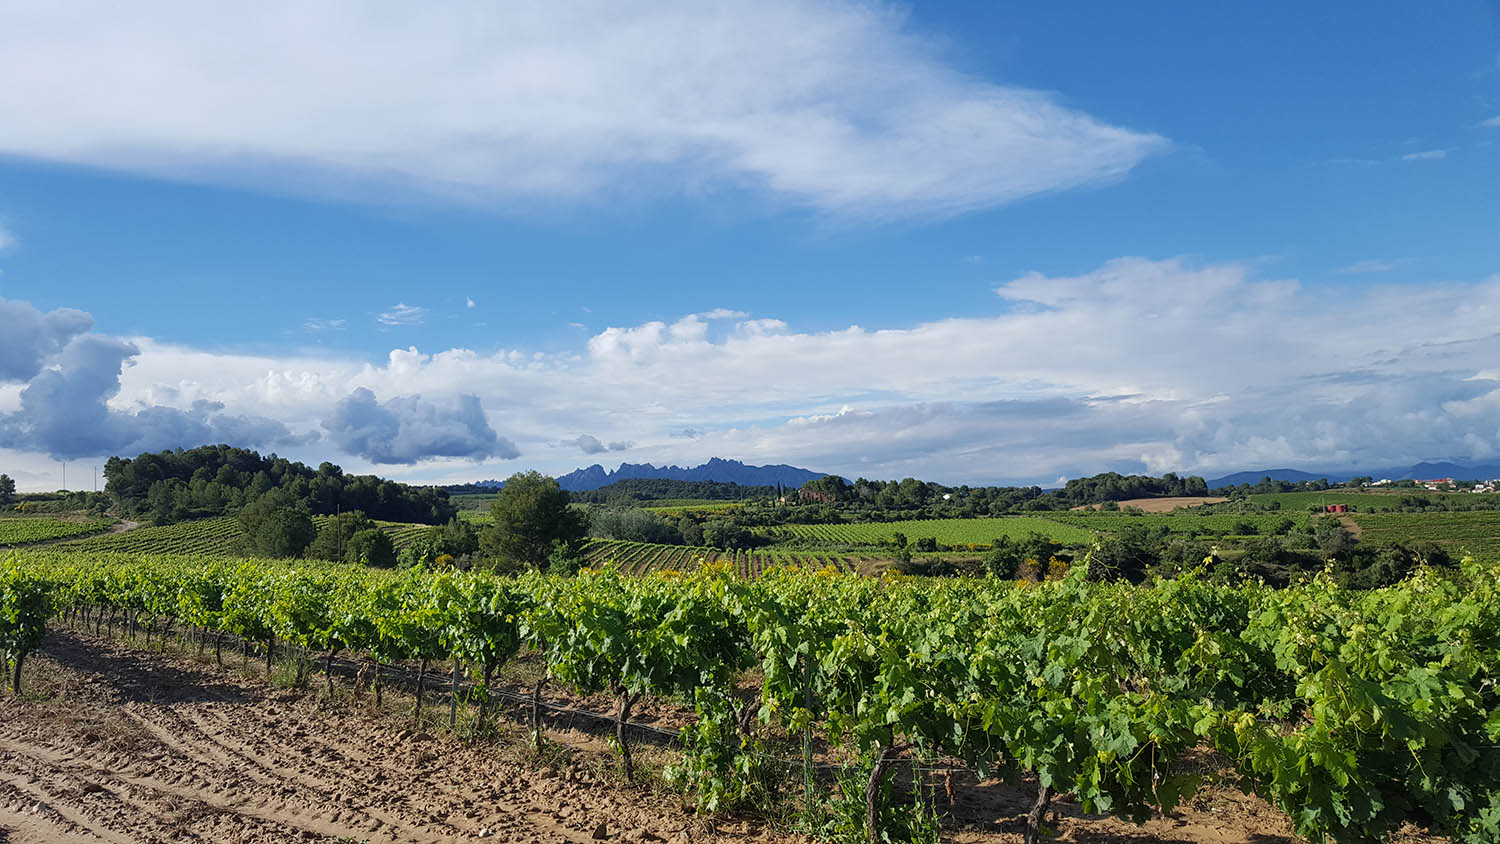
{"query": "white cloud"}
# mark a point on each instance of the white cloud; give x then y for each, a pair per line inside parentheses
(590, 444)
(835, 106)
(1373, 265)
(1139, 364)
(722, 313)
(1492, 123)
(7, 238)
(469, 303)
(320, 324)
(1426, 155)
(402, 314)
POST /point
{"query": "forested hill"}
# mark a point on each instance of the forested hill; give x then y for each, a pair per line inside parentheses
(656, 489)
(215, 480)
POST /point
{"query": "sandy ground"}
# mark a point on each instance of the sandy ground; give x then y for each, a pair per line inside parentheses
(1160, 505)
(116, 744)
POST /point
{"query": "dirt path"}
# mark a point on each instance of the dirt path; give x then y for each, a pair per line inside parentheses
(131, 748)
(1353, 527)
(118, 527)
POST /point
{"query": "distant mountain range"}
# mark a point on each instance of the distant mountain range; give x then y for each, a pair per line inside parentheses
(734, 471)
(1420, 472)
(716, 469)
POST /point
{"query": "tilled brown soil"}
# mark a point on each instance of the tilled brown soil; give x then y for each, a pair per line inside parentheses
(117, 744)
(130, 747)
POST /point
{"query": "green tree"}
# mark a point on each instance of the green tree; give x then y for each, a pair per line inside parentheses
(7, 491)
(372, 547)
(1333, 539)
(277, 525)
(283, 532)
(458, 538)
(332, 542)
(722, 533)
(1125, 556)
(1004, 559)
(531, 517)
(691, 531)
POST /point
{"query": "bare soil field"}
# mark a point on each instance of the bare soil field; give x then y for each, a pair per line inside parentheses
(116, 744)
(1161, 505)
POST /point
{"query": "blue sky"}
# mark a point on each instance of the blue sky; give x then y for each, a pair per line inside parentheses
(967, 242)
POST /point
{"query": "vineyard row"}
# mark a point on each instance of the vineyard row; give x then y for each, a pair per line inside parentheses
(1354, 711)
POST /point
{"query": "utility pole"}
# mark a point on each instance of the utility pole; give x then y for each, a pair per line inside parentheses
(96, 477)
(65, 475)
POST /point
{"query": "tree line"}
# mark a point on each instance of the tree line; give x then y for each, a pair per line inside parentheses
(218, 480)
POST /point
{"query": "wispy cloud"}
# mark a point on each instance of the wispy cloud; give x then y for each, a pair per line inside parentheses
(402, 314)
(1426, 155)
(7, 238)
(1374, 265)
(834, 106)
(320, 324)
(1492, 123)
(722, 313)
(469, 303)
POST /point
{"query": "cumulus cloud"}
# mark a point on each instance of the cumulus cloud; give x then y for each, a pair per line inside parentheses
(589, 444)
(407, 429)
(65, 413)
(31, 336)
(836, 106)
(402, 314)
(1136, 365)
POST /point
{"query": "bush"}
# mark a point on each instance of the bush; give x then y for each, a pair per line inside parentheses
(565, 560)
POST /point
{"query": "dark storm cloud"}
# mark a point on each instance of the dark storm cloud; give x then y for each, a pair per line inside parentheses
(65, 413)
(28, 337)
(407, 429)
